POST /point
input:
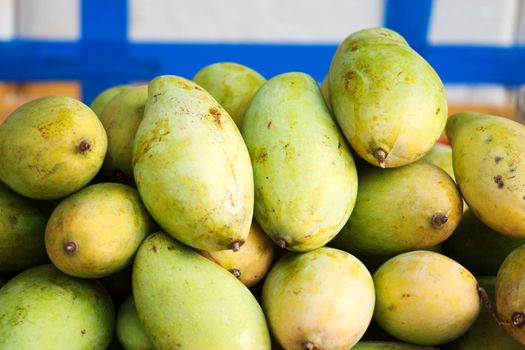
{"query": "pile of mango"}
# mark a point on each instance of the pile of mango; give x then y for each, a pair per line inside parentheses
(233, 212)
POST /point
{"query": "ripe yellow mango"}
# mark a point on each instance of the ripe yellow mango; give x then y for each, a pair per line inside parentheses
(101, 100)
(383, 345)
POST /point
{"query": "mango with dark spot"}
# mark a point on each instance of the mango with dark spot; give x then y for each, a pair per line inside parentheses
(43, 308)
(322, 299)
(388, 101)
(191, 166)
(383, 345)
(443, 301)
(491, 176)
(305, 177)
(183, 298)
(51, 147)
(130, 331)
(102, 99)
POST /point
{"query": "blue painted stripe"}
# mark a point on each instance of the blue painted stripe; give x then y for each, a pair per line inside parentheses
(410, 18)
(104, 20)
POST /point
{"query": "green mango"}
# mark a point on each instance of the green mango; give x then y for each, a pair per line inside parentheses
(441, 155)
(416, 206)
(232, 85)
(485, 333)
(388, 101)
(101, 100)
(192, 168)
(425, 298)
(488, 154)
(477, 247)
(381, 345)
(186, 301)
(42, 308)
(51, 147)
(321, 299)
(305, 177)
(22, 227)
(130, 332)
(121, 119)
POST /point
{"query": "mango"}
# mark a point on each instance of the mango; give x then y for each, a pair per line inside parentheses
(3, 280)
(42, 308)
(488, 154)
(251, 262)
(380, 345)
(121, 118)
(96, 231)
(388, 101)
(22, 226)
(441, 155)
(186, 301)
(326, 93)
(118, 284)
(130, 332)
(101, 100)
(425, 298)
(232, 85)
(321, 299)
(192, 168)
(305, 177)
(51, 147)
(416, 206)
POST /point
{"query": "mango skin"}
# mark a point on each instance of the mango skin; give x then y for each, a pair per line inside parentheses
(42, 308)
(419, 192)
(101, 100)
(441, 155)
(22, 227)
(191, 166)
(41, 147)
(232, 85)
(121, 118)
(305, 177)
(107, 222)
(184, 300)
(425, 298)
(381, 345)
(386, 96)
(325, 296)
(130, 332)
(3, 280)
(488, 154)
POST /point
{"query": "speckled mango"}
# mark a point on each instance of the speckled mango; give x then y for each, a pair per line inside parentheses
(232, 85)
(416, 206)
(305, 177)
(488, 155)
(42, 308)
(186, 301)
(382, 345)
(388, 101)
(121, 118)
(425, 298)
(129, 330)
(192, 168)
(101, 100)
(51, 147)
(322, 299)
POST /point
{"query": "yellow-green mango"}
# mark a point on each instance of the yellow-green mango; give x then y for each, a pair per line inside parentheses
(488, 155)
(101, 100)
(382, 345)
(425, 298)
(96, 231)
(22, 227)
(121, 118)
(510, 294)
(305, 177)
(232, 85)
(42, 308)
(326, 93)
(130, 332)
(388, 101)
(252, 261)
(186, 301)
(192, 168)
(441, 155)
(321, 299)
(51, 147)
(416, 206)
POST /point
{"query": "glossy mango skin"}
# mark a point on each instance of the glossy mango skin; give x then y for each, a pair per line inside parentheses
(186, 301)
(386, 97)
(51, 147)
(42, 308)
(305, 177)
(488, 155)
(130, 332)
(425, 298)
(233, 85)
(324, 297)
(121, 118)
(101, 100)
(191, 166)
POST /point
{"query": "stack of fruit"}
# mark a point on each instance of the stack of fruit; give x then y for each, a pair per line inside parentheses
(204, 209)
